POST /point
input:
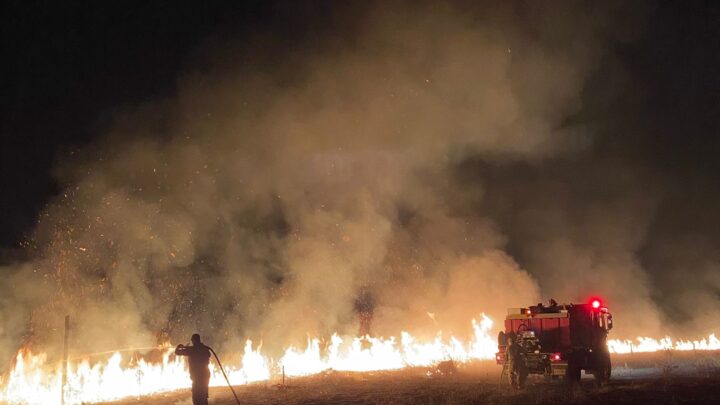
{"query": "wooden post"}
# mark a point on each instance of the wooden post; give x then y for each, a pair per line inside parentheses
(65, 360)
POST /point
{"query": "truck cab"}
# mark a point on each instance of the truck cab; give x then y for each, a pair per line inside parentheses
(559, 340)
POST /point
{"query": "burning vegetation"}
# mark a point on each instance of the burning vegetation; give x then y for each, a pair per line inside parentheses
(141, 372)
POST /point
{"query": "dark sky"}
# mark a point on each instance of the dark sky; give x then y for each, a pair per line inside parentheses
(68, 65)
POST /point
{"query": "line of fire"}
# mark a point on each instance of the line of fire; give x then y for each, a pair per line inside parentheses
(556, 342)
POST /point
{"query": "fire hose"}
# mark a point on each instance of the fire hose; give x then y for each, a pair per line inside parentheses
(217, 359)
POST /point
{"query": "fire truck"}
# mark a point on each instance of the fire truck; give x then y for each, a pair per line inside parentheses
(556, 341)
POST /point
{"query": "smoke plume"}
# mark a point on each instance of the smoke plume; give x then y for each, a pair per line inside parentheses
(430, 157)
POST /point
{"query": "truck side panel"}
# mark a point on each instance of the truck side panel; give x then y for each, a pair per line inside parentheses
(553, 332)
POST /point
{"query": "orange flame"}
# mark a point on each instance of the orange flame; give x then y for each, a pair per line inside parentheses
(646, 344)
(35, 381)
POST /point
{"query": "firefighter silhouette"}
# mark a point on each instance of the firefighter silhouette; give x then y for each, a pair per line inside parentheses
(516, 364)
(198, 358)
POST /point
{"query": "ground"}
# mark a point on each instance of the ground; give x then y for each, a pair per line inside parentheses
(660, 378)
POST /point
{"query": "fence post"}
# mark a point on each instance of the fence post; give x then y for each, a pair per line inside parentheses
(65, 360)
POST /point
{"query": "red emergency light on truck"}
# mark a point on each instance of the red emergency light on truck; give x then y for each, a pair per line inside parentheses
(557, 340)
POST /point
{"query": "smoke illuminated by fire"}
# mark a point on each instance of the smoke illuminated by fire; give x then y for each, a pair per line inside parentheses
(35, 381)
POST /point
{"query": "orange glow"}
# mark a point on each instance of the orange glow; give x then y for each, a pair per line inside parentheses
(34, 380)
(646, 344)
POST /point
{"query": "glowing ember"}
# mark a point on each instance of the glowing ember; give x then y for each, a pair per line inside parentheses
(35, 381)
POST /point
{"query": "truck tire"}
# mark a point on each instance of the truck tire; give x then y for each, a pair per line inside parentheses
(603, 368)
(572, 374)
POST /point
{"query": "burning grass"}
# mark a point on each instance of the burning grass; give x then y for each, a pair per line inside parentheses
(476, 382)
(34, 380)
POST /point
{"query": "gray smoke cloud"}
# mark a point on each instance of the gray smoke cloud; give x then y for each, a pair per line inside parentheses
(424, 154)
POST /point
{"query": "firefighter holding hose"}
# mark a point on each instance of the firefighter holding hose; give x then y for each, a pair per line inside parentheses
(199, 357)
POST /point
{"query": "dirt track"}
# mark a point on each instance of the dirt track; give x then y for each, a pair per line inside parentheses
(640, 379)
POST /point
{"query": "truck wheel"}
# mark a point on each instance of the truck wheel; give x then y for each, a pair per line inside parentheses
(603, 370)
(572, 374)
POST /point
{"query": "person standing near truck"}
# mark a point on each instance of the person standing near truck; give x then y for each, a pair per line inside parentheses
(516, 364)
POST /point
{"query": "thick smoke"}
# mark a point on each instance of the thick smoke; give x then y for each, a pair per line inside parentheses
(424, 155)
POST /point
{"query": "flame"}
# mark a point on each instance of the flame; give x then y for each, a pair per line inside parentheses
(34, 380)
(371, 354)
(646, 344)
